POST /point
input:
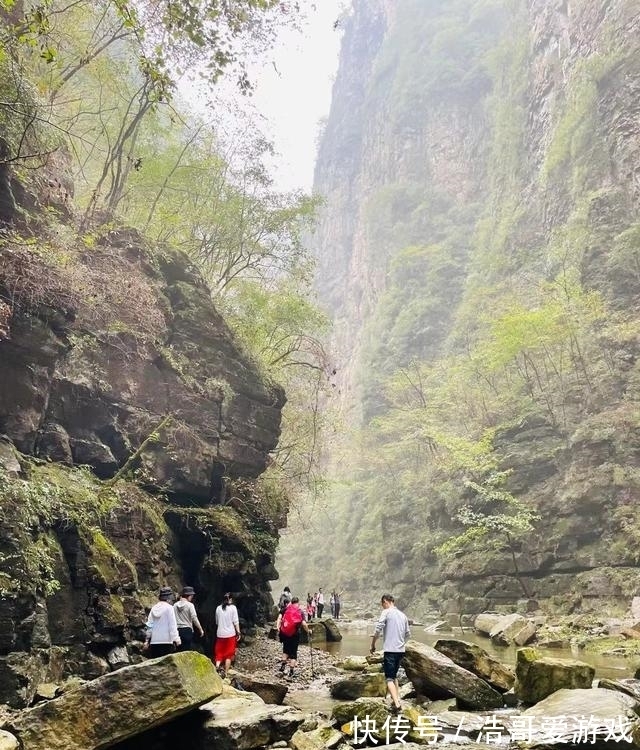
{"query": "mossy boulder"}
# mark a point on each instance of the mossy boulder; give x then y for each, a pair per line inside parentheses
(359, 686)
(354, 663)
(122, 704)
(538, 677)
(374, 708)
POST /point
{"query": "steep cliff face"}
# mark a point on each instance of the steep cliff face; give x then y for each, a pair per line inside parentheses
(480, 244)
(133, 431)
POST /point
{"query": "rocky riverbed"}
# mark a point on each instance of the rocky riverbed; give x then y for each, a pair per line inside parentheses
(315, 672)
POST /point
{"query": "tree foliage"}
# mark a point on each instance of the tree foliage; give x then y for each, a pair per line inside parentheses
(91, 92)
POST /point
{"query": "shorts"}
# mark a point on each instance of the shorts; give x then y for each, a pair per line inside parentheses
(225, 648)
(290, 645)
(391, 663)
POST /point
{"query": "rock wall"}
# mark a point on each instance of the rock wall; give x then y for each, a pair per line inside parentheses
(133, 432)
(503, 135)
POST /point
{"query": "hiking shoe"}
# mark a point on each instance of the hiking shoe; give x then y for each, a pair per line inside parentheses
(291, 673)
(282, 667)
(395, 710)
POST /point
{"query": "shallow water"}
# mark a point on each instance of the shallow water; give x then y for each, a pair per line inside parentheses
(356, 639)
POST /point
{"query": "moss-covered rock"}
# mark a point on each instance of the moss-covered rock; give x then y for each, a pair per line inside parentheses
(538, 677)
(119, 705)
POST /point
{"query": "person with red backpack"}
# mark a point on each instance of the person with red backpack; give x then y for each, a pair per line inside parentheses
(288, 626)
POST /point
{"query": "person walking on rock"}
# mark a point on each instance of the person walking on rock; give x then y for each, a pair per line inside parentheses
(187, 618)
(162, 629)
(227, 634)
(320, 602)
(393, 625)
(288, 626)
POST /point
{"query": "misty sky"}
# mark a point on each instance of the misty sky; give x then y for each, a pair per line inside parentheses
(295, 94)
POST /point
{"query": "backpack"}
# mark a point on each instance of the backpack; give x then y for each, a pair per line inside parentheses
(283, 602)
(291, 621)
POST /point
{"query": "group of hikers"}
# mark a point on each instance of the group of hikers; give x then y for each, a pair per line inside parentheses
(292, 617)
(172, 627)
(392, 626)
(315, 604)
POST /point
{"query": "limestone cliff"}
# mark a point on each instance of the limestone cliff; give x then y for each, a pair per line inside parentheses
(133, 431)
(481, 157)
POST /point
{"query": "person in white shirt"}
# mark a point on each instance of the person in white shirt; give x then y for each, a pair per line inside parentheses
(162, 629)
(393, 626)
(227, 634)
(187, 618)
(320, 602)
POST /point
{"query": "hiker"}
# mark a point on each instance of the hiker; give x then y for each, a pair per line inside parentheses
(320, 602)
(309, 609)
(288, 625)
(337, 603)
(162, 636)
(393, 625)
(227, 634)
(332, 603)
(284, 600)
(187, 619)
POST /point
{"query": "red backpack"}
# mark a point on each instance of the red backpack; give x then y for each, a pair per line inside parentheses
(291, 620)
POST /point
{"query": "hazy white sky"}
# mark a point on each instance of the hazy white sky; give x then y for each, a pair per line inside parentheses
(295, 93)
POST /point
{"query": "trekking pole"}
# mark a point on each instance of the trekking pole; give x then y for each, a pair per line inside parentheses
(313, 674)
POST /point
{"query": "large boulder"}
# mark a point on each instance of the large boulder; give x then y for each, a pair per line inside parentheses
(475, 659)
(318, 739)
(332, 631)
(606, 718)
(512, 629)
(485, 622)
(628, 686)
(102, 712)
(354, 663)
(8, 741)
(270, 692)
(537, 677)
(360, 686)
(435, 675)
(243, 723)
(374, 708)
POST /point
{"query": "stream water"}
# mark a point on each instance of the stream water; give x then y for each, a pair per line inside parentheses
(356, 639)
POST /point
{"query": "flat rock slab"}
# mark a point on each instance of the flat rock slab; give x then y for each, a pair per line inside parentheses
(245, 723)
(105, 711)
(583, 716)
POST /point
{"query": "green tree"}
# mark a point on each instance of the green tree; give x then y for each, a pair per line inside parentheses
(495, 521)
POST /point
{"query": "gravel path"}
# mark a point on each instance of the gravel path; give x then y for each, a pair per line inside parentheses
(262, 657)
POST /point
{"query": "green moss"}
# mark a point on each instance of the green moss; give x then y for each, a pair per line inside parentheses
(526, 655)
(106, 565)
(575, 141)
(111, 611)
(225, 526)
